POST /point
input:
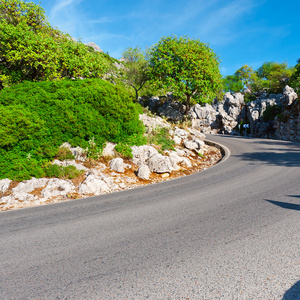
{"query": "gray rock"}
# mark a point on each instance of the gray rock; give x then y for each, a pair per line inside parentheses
(4, 185)
(29, 186)
(117, 164)
(142, 153)
(170, 112)
(78, 152)
(190, 144)
(143, 172)
(57, 187)
(177, 140)
(186, 162)
(109, 150)
(159, 164)
(153, 123)
(290, 95)
(66, 163)
(94, 46)
(181, 133)
(197, 134)
(175, 159)
(93, 185)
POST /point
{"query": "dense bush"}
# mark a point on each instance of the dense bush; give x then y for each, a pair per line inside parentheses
(36, 118)
(31, 49)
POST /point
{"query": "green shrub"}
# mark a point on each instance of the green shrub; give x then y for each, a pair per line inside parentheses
(36, 118)
(162, 139)
(64, 153)
(124, 150)
(69, 172)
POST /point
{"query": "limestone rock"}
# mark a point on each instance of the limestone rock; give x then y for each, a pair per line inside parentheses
(289, 94)
(93, 185)
(109, 150)
(94, 46)
(117, 164)
(57, 187)
(4, 185)
(197, 134)
(143, 172)
(177, 140)
(170, 110)
(142, 153)
(29, 186)
(181, 133)
(186, 162)
(66, 163)
(190, 144)
(159, 164)
(151, 123)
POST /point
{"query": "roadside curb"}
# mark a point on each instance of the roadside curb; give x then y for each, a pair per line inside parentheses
(224, 150)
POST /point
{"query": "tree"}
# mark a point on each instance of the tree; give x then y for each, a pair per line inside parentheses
(275, 75)
(295, 78)
(233, 84)
(136, 69)
(187, 67)
(30, 49)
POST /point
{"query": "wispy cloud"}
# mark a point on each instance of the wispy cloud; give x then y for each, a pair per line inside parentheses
(61, 4)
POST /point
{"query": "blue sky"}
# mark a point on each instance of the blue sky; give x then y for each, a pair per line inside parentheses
(239, 31)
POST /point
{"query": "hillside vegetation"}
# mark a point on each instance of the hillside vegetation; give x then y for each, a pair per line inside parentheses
(36, 118)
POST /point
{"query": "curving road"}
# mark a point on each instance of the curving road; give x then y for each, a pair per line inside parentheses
(230, 232)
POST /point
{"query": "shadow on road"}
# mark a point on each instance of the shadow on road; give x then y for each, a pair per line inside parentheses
(285, 205)
(274, 157)
(293, 293)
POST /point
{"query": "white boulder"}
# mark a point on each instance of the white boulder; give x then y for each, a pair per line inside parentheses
(93, 185)
(159, 164)
(117, 164)
(143, 172)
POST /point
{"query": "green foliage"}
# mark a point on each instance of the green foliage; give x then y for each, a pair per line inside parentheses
(187, 67)
(271, 112)
(161, 138)
(64, 153)
(233, 84)
(275, 74)
(30, 49)
(295, 78)
(36, 118)
(246, 75)
(249, 97)
(136, 71)
(69, 172)
(271, 77)
(124, 150)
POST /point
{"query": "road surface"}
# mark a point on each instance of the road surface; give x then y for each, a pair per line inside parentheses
(230, 232)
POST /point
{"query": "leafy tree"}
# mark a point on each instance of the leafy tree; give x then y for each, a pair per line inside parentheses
(247, 75)
(233, 84)
(187, 67)
(295, 78)
(30, 49)
(275, 75)
(136, 69)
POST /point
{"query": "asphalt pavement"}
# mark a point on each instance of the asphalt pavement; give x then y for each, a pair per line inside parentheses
(229, 232)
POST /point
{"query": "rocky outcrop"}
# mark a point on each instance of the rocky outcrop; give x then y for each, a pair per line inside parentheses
(94, 46)
(225, 117)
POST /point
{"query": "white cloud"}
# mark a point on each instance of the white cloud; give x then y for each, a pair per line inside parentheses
(61, 4)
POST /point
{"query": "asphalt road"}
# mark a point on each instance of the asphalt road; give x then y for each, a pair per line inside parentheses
(230, 232)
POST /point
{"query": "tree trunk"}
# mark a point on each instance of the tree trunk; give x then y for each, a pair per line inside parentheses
(188, 98)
